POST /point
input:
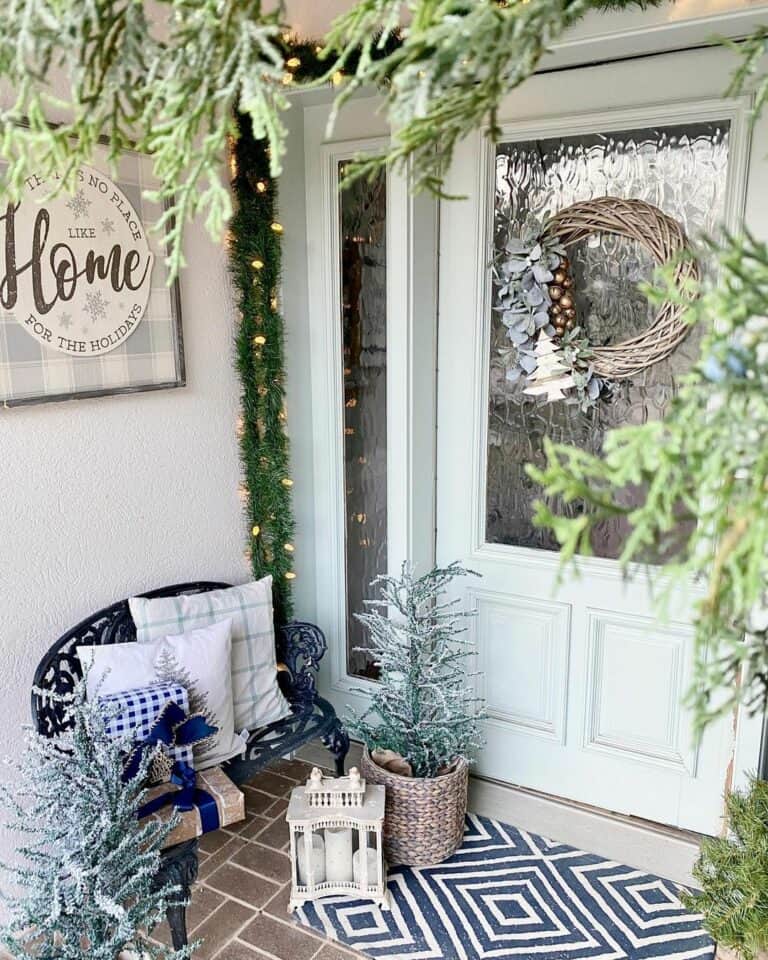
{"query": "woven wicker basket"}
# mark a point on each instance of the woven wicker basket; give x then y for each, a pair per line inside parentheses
(424, 819)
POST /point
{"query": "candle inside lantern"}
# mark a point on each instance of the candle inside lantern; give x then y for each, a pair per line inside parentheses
(317, 858)
(338, 854)
(372, 877)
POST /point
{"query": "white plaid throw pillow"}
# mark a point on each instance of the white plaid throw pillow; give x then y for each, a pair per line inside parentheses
(256, 695)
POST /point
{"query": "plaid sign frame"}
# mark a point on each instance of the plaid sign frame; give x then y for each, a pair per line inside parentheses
(151, 358)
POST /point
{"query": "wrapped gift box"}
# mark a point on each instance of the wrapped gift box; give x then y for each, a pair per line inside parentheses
(135, 711)
(230, 805)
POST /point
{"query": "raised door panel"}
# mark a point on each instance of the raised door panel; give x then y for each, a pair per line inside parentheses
(524, 661)
(638, 672)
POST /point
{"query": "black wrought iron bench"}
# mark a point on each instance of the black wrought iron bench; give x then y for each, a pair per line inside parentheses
(300, 647)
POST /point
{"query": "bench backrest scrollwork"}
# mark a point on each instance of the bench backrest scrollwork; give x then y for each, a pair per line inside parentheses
(60, 669)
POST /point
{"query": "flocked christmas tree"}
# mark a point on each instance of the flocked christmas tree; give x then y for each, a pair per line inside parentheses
(87, 867)
(425, 706)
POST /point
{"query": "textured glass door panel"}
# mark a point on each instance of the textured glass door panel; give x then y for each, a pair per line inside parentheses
(364, 326)
(682, 169)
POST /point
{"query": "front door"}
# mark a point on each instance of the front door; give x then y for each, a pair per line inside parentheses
(584, 684)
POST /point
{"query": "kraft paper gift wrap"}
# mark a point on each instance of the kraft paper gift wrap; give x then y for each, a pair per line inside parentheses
(230, 805)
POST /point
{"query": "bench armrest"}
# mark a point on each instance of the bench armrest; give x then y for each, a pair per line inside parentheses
(300, 648)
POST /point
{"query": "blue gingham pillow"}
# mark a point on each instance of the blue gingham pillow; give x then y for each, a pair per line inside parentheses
(256, 696)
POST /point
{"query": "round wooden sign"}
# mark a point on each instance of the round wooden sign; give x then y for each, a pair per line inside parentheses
(78, 266)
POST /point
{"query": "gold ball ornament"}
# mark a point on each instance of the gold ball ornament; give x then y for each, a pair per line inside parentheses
(570, 313)
(566, 301)
(568, 283)
(555, 291)
(560, 276)
(556, 310)
(569, 324)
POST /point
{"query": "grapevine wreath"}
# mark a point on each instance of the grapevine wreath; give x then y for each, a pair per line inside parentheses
(533, 290)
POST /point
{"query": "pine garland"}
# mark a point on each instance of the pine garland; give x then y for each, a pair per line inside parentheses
(165, 77)
(255, 258)
(255, 248)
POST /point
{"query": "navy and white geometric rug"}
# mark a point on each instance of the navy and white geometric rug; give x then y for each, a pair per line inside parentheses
(508, 894)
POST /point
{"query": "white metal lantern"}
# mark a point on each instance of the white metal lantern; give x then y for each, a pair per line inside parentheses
(336, 828)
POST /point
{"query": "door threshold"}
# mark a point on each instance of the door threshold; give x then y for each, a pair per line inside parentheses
(656, 848)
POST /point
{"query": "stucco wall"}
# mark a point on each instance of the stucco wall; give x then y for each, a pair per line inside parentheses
(103, 498)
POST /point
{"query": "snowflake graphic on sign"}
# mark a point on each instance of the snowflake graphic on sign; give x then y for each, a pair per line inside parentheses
(79, 205)
(96, 306)
(82, 274)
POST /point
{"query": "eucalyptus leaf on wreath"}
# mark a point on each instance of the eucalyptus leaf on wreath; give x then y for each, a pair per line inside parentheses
(522, 272)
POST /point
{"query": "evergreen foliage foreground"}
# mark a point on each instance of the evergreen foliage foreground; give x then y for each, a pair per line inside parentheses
(733, 875)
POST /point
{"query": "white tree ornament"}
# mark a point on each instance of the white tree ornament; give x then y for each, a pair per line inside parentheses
(551, 375)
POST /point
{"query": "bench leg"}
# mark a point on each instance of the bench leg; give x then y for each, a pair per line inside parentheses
(178, 869)
(177, 921)
(337, 742)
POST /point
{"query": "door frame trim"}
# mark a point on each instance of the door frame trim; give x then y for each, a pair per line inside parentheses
(411, 323)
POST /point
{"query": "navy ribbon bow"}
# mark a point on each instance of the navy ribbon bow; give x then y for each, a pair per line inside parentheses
(174, 729)
(188, 797)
